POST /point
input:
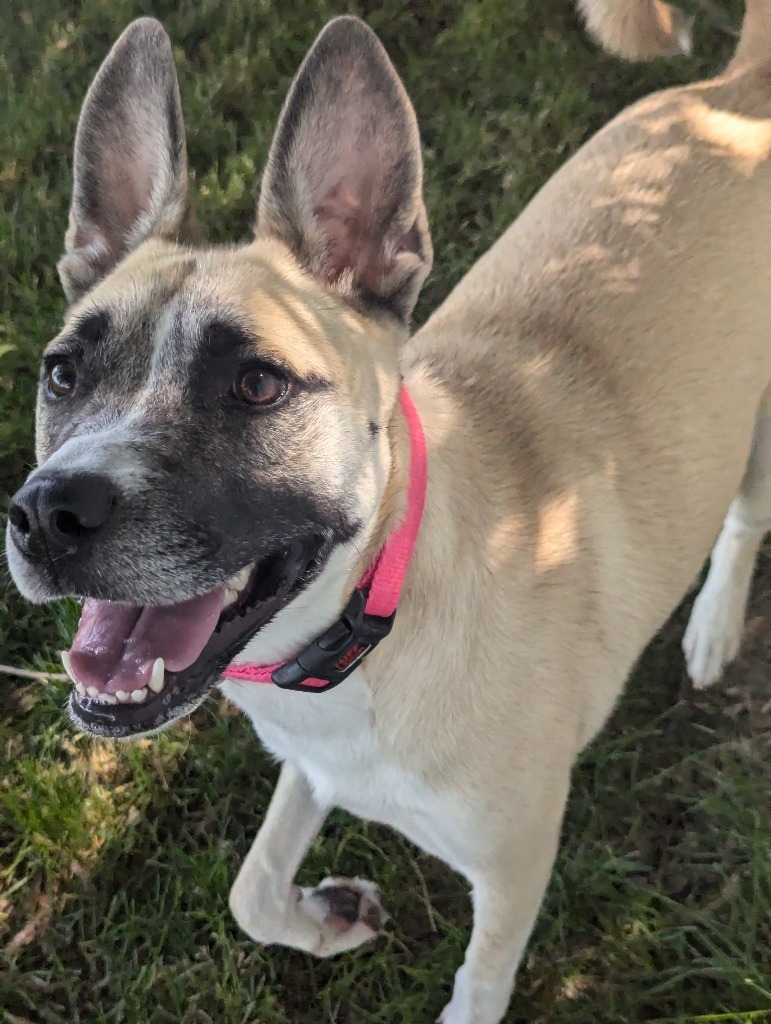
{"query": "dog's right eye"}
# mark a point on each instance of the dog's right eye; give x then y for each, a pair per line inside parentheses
(62, 377)
(260, 387)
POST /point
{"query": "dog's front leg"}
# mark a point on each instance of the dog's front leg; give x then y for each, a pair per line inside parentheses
(507, 892)
(338, 914)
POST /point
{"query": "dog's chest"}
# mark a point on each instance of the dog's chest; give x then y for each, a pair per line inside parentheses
(333, 739)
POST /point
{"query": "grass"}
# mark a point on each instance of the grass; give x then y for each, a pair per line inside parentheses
(115, 862)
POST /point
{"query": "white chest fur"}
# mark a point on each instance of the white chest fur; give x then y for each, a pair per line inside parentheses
(332, 738)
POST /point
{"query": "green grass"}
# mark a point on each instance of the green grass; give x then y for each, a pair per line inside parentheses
(115, 862)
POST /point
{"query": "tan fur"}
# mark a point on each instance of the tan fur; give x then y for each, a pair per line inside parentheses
(755, 40)
(595, 396)
(638, 30)
(603, 367)
(589, 393)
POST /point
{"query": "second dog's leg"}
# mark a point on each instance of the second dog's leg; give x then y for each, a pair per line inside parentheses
(338, 914)
(714, 632)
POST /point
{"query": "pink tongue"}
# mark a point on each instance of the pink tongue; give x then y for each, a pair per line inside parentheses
(116, 645)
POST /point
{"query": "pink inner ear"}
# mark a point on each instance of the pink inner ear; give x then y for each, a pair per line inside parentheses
(126, 172)
(343, 186)
(345, 218)
(126, 176)
(129, 180)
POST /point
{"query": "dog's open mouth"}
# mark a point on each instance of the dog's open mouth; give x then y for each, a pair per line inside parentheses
(136, 668)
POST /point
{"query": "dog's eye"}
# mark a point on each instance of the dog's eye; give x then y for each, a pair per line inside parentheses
(61, 378)
(260, 387)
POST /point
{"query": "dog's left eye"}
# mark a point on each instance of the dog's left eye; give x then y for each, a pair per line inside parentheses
(62, 377)
(260, 387)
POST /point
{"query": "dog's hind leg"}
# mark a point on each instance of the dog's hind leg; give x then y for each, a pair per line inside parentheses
(339, 914)
(714, 632)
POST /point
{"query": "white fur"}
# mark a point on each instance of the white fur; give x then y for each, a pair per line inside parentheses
(714, 632)
(330, 736)
(106, 451)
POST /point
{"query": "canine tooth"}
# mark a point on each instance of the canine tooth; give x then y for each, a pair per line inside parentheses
(139, 695)
(158, 678)
(67, 662)
(93, 692)
(123, 695)
(239, 581)
(81, 689)
(231, 596)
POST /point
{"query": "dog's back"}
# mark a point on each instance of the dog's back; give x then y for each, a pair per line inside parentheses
(615, 346)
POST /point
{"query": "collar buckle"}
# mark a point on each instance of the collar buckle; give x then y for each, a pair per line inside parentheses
(339, 650)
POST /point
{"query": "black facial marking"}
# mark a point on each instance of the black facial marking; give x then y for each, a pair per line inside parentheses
(92, 327)
(206, 484)
(214, 482)
(374, 429)
(222, 339)
(225, 350)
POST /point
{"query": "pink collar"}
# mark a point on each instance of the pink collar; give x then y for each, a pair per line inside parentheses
(370, 612)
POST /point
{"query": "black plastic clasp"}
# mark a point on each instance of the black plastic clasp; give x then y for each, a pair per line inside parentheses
(337, 652)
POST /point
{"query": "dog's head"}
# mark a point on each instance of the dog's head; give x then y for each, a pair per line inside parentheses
(213, 422)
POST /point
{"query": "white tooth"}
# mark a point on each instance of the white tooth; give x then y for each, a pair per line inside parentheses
(239, 581)
(231, 596)
(83, 691)
(138, 695)
(67, 662)
(108, 698)
(158, 678)
(123, 695)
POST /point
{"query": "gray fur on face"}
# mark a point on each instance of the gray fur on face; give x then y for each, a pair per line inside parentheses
(203, 489)
(159, 333)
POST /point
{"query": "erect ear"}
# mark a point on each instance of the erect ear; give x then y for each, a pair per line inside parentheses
(130, 167)
(343, 183)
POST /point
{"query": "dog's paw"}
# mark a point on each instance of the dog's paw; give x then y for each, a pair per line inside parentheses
(347, 910)
(714, 634)
(477, 1000)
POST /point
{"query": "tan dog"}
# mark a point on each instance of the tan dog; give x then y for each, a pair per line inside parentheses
(219, 427)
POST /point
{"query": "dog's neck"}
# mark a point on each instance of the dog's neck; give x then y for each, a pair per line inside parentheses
(392, 506)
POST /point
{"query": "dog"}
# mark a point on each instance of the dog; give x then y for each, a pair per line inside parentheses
(245, 461)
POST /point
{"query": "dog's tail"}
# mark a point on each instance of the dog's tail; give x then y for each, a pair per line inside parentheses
(755, 41)
(640, 29)
(643, 29)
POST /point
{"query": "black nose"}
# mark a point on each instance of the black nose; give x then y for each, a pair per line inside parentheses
(57, 514)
